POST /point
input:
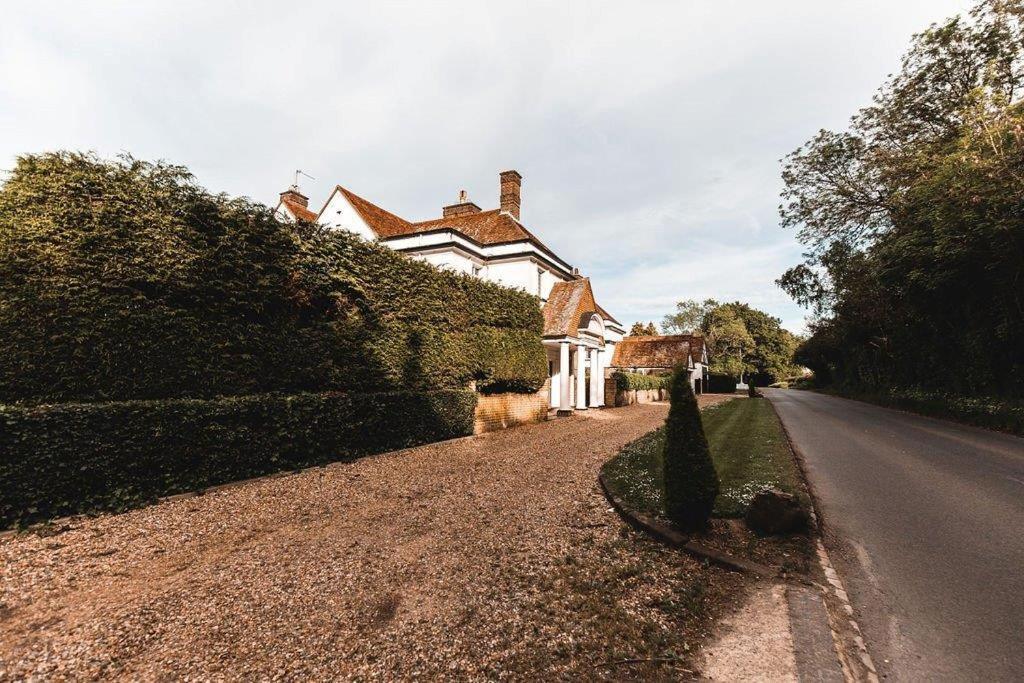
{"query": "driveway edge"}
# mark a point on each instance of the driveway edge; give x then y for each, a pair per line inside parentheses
(670, 536)
(195, 493)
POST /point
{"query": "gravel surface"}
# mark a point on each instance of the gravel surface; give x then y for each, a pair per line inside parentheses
(491, 557)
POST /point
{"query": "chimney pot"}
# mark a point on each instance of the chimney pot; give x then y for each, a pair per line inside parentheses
(462, 208)
(511, 185)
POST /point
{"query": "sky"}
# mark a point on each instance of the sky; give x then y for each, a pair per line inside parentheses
(648, 134)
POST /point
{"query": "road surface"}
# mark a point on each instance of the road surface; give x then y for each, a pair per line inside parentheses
(925, 521)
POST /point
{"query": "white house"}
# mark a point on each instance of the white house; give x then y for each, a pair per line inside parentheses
(494, 245)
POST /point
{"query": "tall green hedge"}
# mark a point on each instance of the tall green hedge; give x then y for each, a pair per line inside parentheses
(74, 457)
(126, 280)
(627, 381)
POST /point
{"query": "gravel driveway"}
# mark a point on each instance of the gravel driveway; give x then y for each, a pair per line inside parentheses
(488, 557)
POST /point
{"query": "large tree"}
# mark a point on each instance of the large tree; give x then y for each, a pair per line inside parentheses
(913, 222)
(740, 339)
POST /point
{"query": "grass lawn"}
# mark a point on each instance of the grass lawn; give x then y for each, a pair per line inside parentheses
(747, 444)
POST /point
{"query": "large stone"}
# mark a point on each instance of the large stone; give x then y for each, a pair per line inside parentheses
(774, 512)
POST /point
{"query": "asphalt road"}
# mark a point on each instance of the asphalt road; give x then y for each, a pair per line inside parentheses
(925, 521)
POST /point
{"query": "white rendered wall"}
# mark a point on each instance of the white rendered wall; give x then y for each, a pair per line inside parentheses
(340, 214)
(448, 260)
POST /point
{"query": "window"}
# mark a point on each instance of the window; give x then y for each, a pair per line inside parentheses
(477, 269)
(540, 282)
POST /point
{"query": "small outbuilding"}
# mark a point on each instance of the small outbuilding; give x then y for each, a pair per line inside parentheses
(659, 354)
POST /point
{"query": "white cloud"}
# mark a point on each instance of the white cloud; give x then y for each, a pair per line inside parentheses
(648, 133)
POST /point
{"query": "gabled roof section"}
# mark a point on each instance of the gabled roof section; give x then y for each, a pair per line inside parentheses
(484, 227)
(697, 351)
(660, 351)
(607, 315)
(567, 303)
(383, 223)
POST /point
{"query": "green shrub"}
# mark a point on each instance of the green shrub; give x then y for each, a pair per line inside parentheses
(721, 384)
(68, 458)
(629, 381)
(691, 483)
(126, 280)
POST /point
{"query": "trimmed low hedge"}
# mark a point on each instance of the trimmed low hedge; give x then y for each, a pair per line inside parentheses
(635, 381)
(69, 458)
(1004, 415)
(721, 384)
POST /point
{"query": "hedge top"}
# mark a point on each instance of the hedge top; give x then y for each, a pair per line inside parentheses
(125, 280)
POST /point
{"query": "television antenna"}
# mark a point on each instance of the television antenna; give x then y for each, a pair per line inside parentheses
(300, 172)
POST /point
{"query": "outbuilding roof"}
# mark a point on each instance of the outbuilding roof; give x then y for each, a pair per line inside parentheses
(658, 351)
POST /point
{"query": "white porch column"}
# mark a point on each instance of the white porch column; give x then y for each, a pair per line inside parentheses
(595, 378)
(563, 378)
(581, 378)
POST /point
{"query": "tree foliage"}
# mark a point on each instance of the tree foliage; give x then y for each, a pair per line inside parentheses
(740, 339)
(913, 219)
(643, 329)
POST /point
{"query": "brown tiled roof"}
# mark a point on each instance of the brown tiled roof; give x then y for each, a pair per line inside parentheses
(299, 211)
(697, 348)
(484, 227)
(567, 303)
(661, 351)
(607, 315)
(384, 223)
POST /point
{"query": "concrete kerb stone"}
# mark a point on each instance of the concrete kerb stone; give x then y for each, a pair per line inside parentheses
(666, 534)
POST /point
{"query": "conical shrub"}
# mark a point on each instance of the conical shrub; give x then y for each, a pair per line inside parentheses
(691, 483)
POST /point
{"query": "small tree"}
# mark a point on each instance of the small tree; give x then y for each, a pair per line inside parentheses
(691, 483)
(641, 330)
(751, 389)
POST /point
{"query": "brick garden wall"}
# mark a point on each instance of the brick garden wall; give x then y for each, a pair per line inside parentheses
(631, 396)
(498, 411)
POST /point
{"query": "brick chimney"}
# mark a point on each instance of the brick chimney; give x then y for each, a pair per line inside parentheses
(293, 195)
(511, 182)
(463, 207)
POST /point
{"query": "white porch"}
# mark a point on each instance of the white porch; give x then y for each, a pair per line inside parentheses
(576, 366)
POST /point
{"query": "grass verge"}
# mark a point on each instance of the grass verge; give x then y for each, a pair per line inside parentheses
(748, 447)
